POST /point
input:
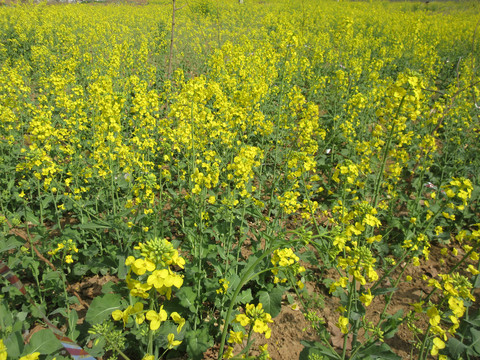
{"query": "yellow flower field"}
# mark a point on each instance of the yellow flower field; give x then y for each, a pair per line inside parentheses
(212, 158)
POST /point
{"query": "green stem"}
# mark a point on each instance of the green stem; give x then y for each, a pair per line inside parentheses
(349, 309)
(384, 157)
(424, 342)
(389, 297)
(245, 278)
(40, 202)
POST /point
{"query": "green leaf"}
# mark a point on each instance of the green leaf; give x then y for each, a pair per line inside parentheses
(11, 243)
(456, 348)
(52, 275)
(122, 268)
(476, 284)
(272, 301)
(198, 341)
(168, 327)
(187, 298)
(244, 297)
(93, 226)
(22, 316)
(97, 349)
(14, 344)
(390, 326)
(43, 342)
(102, 307)
(383, 291)
(72, 322)
(375, 352)
(31, 217)
(476, 340)
(316, 348)
(80, 269)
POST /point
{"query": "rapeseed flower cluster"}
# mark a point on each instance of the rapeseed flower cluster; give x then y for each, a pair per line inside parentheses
(158, 256)
(255, 319)
(153, 271)
(67, 248)
(444, 322)
(286, 263)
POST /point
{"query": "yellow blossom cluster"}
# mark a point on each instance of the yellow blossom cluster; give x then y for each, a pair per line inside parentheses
(154, 269)
(257, 320)
(286, 262)
(456, 290)
(67, 248)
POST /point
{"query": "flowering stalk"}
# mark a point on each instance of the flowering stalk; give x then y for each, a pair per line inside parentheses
(384, 157)
(247, 276)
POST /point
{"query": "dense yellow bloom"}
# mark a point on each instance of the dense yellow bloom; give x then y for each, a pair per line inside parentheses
(165, 279)
(3, 350)
(438, 344)
(140, 266)
(286, 109)
(367, 298)
(33, 356)
(224, 286)
(434, 316)
(136, 310)
(343, 324)
(256, 317)
(236, 337)
(228, 354)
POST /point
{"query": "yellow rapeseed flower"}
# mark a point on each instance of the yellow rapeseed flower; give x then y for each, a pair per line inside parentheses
(172, 342)
(3, 350)
(33, 356)
(155, 318)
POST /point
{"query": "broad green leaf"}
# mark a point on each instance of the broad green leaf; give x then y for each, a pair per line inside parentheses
(316, 348)
(244, 297)
(93, 226)
(43, 342)
(390, 326)
(102, 307)
(97, 349)
(168, 327)
(475, 340)
(476, 284)
(383, 291)
(375, 352)
(72, 322)
(11, 243)
(271, 301)
(187, 298)
(198, 341)
(80, 269)
(455, 347)
(52, 275)
(14, 344)
(31, 217)
(122, 268)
